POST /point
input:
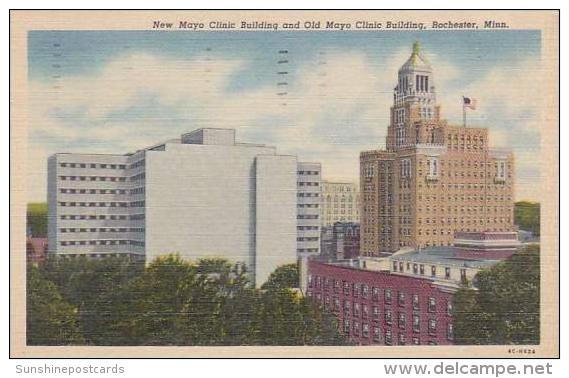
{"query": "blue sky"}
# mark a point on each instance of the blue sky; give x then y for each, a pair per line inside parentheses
(117, 91)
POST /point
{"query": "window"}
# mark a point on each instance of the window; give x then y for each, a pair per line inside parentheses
(356, 309)
(432, 304)
(463, 276)
(450, 331)
(365, 311)
(388, 296)
(375, 294)
(422, 269)
(402, 321)
(365, 291)
(388, 317)
(375, 311)
(388, 340)
(365, 330)
(402, 339)
(415, 301)
(376, 335)
(369, 171)
(447, 273)
(346, 326)
(432, 326)
(432, 168)
(401, 298)
(406, 168)
(415, 269)
(416, 323)
(356, 328)
(501, 171)
(347, 306)
(336, 286)
(449, 307)
(356, 289)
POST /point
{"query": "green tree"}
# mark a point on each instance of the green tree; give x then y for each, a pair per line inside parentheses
(527, 216)
(50, 320)
(37, 219)
(505, 307)
(287, 318)
(285, 276)
(177, 302)
(92, 285)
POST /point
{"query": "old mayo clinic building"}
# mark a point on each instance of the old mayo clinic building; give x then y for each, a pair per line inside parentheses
(433, 179)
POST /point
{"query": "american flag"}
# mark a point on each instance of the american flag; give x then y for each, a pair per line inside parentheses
(469, 102)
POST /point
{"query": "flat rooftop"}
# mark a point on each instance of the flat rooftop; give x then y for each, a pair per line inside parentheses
(443, 256)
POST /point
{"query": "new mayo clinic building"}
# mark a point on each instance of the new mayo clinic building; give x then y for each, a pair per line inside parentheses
(200, 195)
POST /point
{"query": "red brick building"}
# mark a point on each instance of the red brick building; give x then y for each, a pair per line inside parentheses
(381, 308)
(406, 298)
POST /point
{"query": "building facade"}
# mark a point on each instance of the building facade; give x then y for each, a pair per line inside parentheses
(340, 203)
(200, 195)
(381, 308)
(309, 208)
(341, 241)
(433, 179)
(407, 297)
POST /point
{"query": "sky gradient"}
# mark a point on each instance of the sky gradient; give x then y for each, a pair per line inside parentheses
(118, 91)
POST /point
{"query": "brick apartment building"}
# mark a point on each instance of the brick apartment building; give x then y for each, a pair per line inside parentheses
(407, 297)
(433, 179)
(377, 307)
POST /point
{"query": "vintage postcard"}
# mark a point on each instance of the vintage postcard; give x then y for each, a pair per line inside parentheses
(284, 184)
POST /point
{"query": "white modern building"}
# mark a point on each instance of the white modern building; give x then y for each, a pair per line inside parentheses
(200, 195)
(340, 203)
(309, 217)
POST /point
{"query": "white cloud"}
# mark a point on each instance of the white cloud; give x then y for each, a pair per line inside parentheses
(333, 111)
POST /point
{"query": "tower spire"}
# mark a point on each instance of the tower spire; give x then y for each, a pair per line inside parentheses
(416, 47)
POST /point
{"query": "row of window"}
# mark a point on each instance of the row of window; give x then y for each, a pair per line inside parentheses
(308, 194)
(137, 164)
(101, 191)
(308, 173)
(334, 188)
(308, 239)
(339, 199)
(308, 205)
(102, 217)
(363, 290)
(469, 209)
(93, 178)
(102, 204)
(308, 183)
(461, 197)
(356, 312)
(353, 329)
(309, 250)
(92, 165)
(301, 228)
(102, 229)
(434, 185)
(408, 267)
(102, 242)
(306, 216)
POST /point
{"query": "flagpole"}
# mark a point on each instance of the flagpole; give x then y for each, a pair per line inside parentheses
(463, 113)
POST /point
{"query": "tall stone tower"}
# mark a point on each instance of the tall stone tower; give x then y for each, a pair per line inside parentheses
(433, 179)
